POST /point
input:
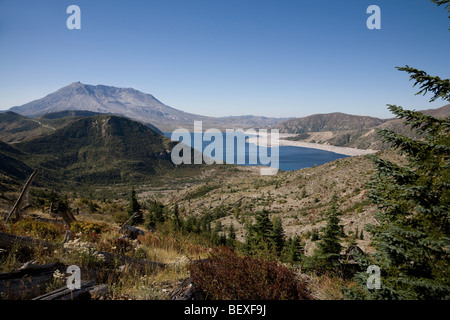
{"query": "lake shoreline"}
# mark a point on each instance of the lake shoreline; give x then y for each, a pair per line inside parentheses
(264, 139)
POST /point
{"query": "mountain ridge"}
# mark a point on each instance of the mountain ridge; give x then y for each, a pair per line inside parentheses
(98, 149)
(360, 138)
(336, 121)
(130, 103)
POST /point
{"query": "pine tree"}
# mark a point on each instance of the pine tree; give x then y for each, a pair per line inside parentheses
(134, 207)
(315, 235)
(293, 249)
(231, 239)
(156, 208)
(263, 226)
(217, 238)
(277, 235)
(150, 220)
(412, 241)
(177, 223)
(329, 247)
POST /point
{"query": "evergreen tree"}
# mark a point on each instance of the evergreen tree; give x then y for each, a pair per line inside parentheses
(176, 221)
(237, 212)
(231, 239)
(156, 209)
(151, 220)
(217, 238)
(293, 249)
(315, 235)
(134, 207)
(329, 247)
(259, 235)
(412, 240)
(277, 235)
(263, 226)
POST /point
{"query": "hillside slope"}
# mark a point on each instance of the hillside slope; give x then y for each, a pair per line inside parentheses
(10, 165)
(327, 122)
(300, 198)
(100, 149)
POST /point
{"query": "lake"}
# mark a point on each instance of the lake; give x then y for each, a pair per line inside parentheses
(290, 158)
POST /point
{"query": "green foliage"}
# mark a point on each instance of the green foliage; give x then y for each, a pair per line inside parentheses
(413, 238)
(102, 149)
(201, 191)
(38, 229)
(50, 199)
(263, 226)
(120, 217)
(293, 249)
(88, 227)
(315, 235)
(258, 239)
(277, 235)
(134, 207)
(326, 256)
(156, 214)
(439, 87)
(443, 2)
(231, 237)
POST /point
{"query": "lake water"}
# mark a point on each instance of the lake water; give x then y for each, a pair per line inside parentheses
(290, 158)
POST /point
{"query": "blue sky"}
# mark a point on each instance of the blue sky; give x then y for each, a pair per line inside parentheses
(284, 58)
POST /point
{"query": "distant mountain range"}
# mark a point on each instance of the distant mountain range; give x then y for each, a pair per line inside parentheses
(339, 129)
(132, 104)
(86, 134)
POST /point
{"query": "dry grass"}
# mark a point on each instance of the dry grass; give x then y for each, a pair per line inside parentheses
(156, 285)
(300, 198)
(327, 287)
(88, 238)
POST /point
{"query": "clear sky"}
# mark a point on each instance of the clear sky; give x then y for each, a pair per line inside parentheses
(228, 57)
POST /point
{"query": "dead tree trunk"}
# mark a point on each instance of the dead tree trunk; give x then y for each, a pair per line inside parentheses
(68, 216)
(8, 241)
(129, 219)
(28, 281)
(87, 291)
(16, 209)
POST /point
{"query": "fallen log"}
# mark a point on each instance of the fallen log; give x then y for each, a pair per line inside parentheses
(88, 291)
(8, 241)
(28, 281)
(185, 291)
(132, 232)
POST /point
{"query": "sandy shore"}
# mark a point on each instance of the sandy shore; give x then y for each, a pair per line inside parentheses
(265, 139)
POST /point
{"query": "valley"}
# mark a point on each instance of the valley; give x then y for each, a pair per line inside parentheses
(102, 168)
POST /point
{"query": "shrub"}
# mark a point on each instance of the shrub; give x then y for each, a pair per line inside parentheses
(226, 276)
(201, 191)
(83, 253)
(40, 229)
(120, 217)
(88, 227)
